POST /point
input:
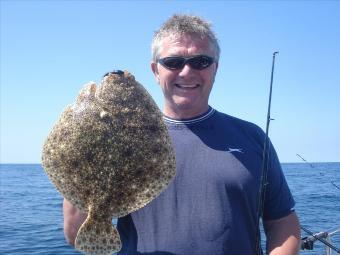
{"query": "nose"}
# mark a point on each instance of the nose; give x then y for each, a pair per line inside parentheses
(186, 70)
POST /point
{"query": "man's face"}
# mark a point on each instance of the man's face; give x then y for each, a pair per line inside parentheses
(186, 91)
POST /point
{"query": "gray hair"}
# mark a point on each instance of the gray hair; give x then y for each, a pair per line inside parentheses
(179, 25)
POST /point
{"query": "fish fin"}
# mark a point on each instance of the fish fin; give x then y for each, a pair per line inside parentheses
(98, 238)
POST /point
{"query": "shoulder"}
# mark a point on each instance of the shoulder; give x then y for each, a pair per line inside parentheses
(238, 125)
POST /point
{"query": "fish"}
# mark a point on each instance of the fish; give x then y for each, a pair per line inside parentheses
(109, 154)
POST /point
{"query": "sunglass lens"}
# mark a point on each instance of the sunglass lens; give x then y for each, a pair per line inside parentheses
(200, 62)
(174, 62)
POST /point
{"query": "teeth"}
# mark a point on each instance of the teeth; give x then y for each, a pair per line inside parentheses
(187, 86)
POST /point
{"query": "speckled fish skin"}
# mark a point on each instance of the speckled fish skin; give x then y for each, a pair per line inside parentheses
(109, 154)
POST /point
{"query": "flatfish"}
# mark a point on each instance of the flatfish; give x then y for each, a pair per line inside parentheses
(109, 154)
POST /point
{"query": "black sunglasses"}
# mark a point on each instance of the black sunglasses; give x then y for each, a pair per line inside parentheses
(196, 62)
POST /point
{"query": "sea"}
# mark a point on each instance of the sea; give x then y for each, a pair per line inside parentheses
(31, 220)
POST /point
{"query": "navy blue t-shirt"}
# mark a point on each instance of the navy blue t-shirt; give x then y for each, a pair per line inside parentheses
(211, 205)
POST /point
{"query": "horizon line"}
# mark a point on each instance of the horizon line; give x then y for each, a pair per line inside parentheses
(286, 162)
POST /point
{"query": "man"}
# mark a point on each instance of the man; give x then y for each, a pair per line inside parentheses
(211, 206)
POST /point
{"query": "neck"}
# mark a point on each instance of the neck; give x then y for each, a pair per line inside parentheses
(179, 114)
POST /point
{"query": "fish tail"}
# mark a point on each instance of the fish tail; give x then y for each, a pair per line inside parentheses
(97, 238)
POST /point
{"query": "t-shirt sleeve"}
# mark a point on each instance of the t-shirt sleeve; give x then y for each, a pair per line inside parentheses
(279, 201)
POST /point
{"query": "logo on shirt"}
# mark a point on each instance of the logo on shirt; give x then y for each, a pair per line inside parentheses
(234, 150)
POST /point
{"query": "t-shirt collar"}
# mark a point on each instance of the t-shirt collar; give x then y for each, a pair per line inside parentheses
(196, 119)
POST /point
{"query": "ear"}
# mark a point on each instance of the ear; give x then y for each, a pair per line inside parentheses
(154, 69)
(216, 67)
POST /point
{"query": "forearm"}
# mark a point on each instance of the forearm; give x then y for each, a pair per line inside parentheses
(73, 219)
(290, 246)
(283, 236)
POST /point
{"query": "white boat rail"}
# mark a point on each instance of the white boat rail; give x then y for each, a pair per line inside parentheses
(307, 243)
(329, 251)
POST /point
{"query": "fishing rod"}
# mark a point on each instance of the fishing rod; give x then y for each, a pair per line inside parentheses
(336, 186)
(309, 242)
(264, 169)
(317, 237)
(312, 166)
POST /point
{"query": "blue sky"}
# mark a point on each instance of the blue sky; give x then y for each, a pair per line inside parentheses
(49, 49)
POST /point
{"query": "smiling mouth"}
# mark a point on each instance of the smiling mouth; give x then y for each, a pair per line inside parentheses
(186, 86)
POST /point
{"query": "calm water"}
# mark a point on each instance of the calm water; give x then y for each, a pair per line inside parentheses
(31, 209)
